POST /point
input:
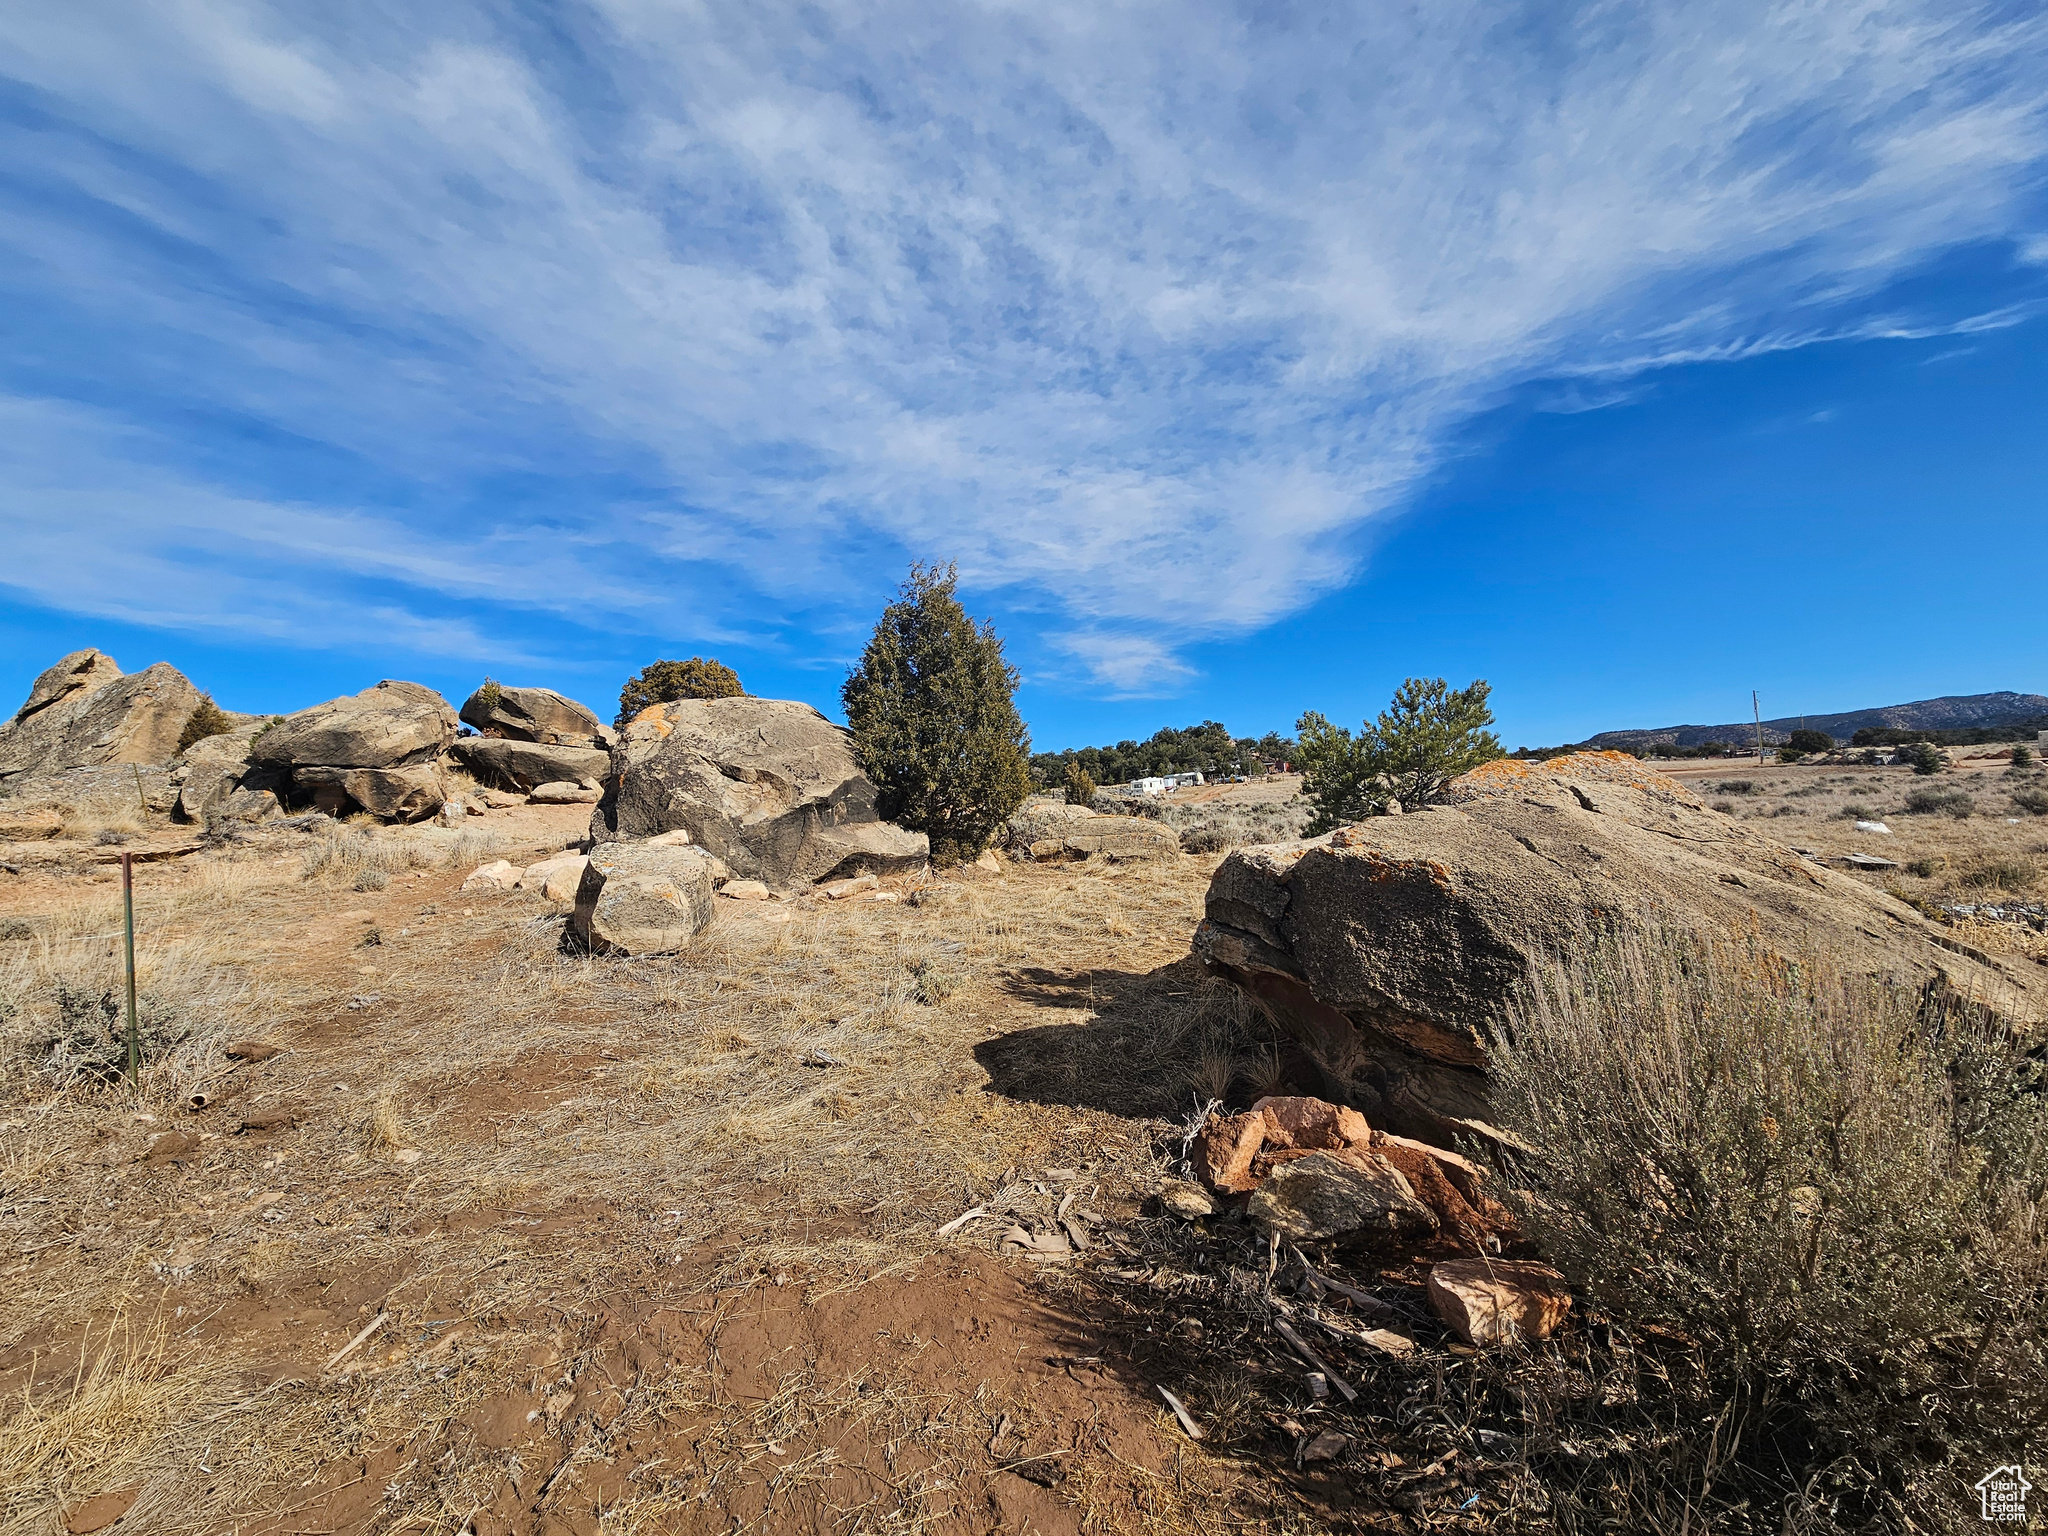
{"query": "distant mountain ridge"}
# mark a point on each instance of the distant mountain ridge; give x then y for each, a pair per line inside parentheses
(1955, 713)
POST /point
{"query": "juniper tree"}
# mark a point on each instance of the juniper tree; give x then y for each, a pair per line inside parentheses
(661, 682)
(935, 724)
(1427, 736)
(209, 719)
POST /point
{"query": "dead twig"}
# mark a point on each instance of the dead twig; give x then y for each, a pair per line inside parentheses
(961, 1220)
(1286, 1331)
(355, 1343)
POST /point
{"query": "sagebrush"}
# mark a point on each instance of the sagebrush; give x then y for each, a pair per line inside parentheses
(1821, 1193)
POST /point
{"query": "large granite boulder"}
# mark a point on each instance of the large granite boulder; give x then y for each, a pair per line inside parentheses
(392, 725)
(1390, 949)
(524, 765)
(85, 712)
(638, 899)
(535, 714)
(213, 768)
(375, 749)
(768, 785)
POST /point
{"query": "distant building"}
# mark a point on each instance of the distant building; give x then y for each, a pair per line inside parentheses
(1165, 783)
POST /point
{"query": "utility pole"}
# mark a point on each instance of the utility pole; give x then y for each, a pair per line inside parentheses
(1757, 709)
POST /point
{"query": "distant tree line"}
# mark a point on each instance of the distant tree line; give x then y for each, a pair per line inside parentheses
(1971, 736)
(1806, 741)
(1208, 749)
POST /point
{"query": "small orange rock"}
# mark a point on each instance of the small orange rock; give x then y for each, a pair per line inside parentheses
(1225, 1149)
(100, 1511)
(1498, 1301)
(1312, 1124)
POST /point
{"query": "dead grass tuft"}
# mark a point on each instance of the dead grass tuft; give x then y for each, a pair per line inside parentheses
(99, 1426)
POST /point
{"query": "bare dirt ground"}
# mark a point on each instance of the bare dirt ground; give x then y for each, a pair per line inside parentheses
(626, 1245)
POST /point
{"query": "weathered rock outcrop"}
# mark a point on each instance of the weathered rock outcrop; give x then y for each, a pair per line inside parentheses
(214, 767)
(376, 749)
(111, 792)
(85, 712)
(1391, 948)
(526, 765)
(537, 715)
(393, 725)
(411, 793)
(637, 899)
(767, 785)
(1074, 832)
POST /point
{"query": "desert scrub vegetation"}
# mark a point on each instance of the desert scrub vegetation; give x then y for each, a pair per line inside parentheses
(1219, 827)
(61, 1017)
(1940, 802)
(1818, 1198)
(360, 859)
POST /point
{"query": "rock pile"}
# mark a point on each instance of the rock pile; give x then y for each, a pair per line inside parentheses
(768, 786)
(534, 738)
(1310, 1171)
(1392, 948)
(1315, 1170)
(378, 749)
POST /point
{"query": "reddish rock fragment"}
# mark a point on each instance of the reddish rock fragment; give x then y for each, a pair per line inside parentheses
(1498, 1301)
(1312, 1124)
(1224, 1151)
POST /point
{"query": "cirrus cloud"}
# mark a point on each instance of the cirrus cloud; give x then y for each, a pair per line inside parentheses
(1145, 315)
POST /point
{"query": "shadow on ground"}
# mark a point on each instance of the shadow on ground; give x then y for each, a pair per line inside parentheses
(1143, 1045)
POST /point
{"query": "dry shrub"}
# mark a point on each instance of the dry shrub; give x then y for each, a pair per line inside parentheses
(62, 1021)
(1940, 802)
(1992, 873)
(473, 848)
(344, 857)
(1823, 1192)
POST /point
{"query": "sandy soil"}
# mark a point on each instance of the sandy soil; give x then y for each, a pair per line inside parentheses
(647, 1245)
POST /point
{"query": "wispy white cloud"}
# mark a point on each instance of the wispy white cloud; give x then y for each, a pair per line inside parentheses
(1144, 314)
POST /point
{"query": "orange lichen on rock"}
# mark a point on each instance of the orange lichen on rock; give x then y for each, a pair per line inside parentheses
(1358, 844)
(1506, 774)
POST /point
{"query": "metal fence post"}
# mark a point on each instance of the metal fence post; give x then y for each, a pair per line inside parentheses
(128, 934)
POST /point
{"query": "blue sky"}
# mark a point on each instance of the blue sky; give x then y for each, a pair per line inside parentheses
(1246, 359)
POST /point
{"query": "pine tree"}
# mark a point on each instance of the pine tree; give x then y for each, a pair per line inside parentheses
(934, 721)
(1427, 736)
